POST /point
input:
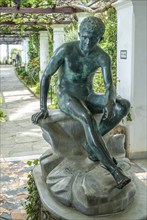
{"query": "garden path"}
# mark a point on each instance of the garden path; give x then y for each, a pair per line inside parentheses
(19, 137)
(20, 141)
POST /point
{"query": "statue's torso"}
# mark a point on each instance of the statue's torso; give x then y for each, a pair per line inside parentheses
(77, 71)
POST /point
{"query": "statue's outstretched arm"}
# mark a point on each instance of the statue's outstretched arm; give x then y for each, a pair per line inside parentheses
(53, 65)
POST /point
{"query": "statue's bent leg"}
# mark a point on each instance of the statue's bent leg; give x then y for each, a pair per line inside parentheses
(96, 103)
(121, 110)
(80, 112)
(91, 154)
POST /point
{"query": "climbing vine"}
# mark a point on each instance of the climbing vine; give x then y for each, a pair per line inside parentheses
(108, 44)
(34, 46)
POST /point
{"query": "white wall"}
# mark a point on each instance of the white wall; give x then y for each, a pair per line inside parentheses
(132, 72)
(3, 50)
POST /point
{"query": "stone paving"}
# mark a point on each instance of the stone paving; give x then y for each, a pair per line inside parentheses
(18, 135)
(13, 189)
(22, 141)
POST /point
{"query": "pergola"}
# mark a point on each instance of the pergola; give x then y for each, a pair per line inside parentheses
(19, 20)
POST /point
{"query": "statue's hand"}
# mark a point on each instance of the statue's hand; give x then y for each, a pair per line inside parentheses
(38, 115)
(109, 111)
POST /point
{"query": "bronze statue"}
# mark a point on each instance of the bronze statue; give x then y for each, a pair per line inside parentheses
(77, 63)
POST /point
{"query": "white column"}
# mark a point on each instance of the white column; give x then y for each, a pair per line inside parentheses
(8, 58)
(26, 50)
(58, 35)
(81, 16)
(44, 51)
(132, 70)
(23, 53)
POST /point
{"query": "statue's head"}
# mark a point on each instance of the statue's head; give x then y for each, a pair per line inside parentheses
(91, 31)
(93, 25)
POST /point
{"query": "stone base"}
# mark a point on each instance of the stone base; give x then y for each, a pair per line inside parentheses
(135, 211)
(85, 185)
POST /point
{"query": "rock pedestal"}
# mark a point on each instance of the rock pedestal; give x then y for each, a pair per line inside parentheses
(75, 181)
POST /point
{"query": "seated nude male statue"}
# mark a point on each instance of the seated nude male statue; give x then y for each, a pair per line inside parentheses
(77, 63)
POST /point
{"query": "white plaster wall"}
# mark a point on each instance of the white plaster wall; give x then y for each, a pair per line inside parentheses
(132, 72)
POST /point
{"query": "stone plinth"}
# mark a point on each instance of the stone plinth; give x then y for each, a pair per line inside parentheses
(73, 179)
(135, 211)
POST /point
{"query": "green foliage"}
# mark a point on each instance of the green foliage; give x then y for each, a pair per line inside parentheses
(54, 104)
(71, 33)
(53, 90)
(28, 78)
(34, 46)
(21, 72)
(33, 70)
(5, 3)
(109, 43)
(33, 203)
(31, 76)
(98, 83)
(34, 162)
(129, 117)
(50, 39)
(3, 116)
(35, 89)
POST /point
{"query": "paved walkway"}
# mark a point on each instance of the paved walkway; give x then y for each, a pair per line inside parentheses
(20, 141)
(19, 137)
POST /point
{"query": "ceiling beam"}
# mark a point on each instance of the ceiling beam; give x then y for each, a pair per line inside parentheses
(63, 10)
(31, 23)
(13, 43)
(10, 39)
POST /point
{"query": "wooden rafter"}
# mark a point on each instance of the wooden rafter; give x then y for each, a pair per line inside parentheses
(63, 12)
(49, 10)
(29, 23)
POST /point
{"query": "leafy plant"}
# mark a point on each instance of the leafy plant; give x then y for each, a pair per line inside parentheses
(33, 206)
(33, 203)
(3, 116)
(109, 43)
(34, 46)
(71, 33)
(129, 117)
(33, 70)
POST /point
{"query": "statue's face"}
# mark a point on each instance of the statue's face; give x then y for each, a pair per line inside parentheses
(88, 40)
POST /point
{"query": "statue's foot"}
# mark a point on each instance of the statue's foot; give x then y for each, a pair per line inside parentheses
(120, 178)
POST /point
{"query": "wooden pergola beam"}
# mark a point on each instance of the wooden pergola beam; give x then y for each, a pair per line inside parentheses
(32, 23)
(49, 10)
(6, 35)
(26, 30)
